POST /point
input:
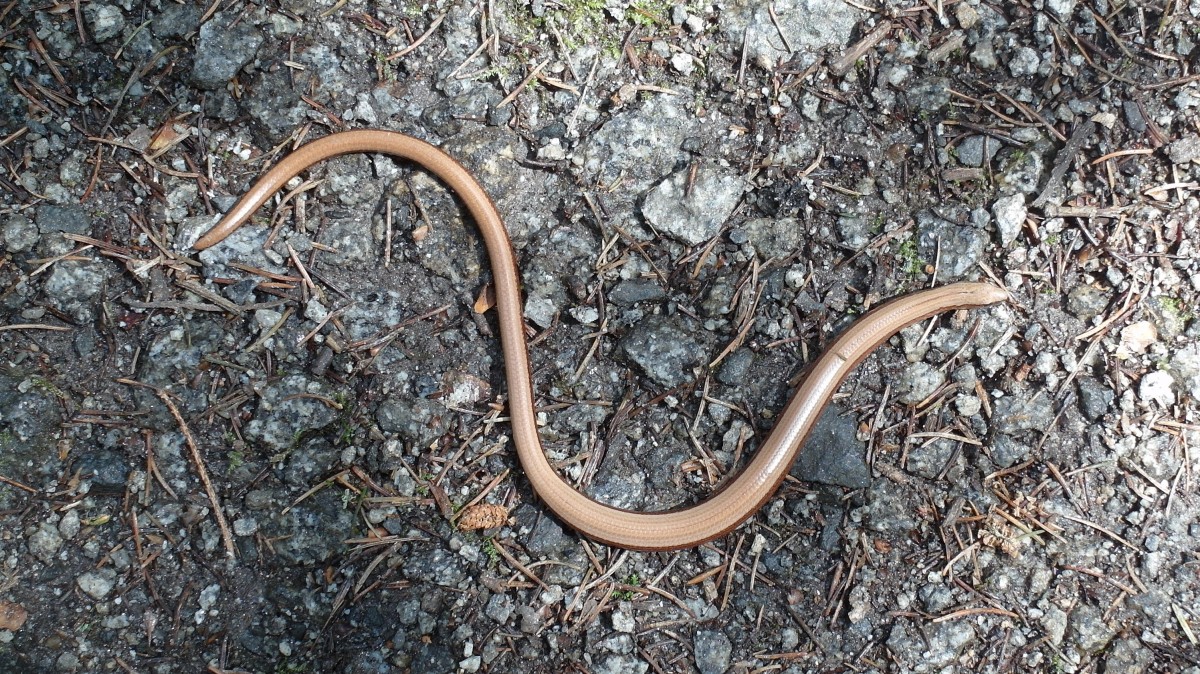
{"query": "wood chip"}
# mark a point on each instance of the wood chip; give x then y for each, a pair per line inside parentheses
(12, 616)
(486, 299)
(1136, 338)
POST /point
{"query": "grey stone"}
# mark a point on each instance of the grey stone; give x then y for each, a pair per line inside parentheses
(917, 382)
(189, 231)
(1054, 621)
(639, 145)
(961, 245)
(45, 541)
(631, 291)
(29, 416)
(1184, 150)
(1133, 116)
(416, 420)
(888, 509)
(735, 367)
(967, 405)
(1085, 301)
(932, 648)
(684, 63)
(929, 459)
(663, 348)
(1061, 8)
(73, 287)
(855, 231)
(242, 292)
(435, 565)
(308, 461)
(1014, 413)
(106, 468)
(541, 309)
(1024, 62)
(286, 410)
(19, 234)
(1088, 629)
(713, 651)
(623, 620)
(1128, 655)
(1007, 451)
(103, 21)
(1154, 605)
(245, 526)
(929, 96)
(1188, 97)
(433, 658)
(69, 525)
(70, 219)
(175, 20)
(966, 15)
(1095, 399)
(547, 539)
(274, 103)
(984, 54)
(243, 246)
(753, 25)
(972, 149)
(223, 50)
(614, 663)
(97, 584)
(775, 237)
(1168, 316)
(311, 531)
(833, 454)
(618, 643)
(1021, 171)
(1185, 364)
(499, 608)
(67, 662)
(1010, 213)
(719, 297)
(697, 215)
(531, 621)
(1156, 387)
(936, 597)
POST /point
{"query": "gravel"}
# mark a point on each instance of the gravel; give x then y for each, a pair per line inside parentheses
(222, 50)
(957, 246)
(104, 22)
(713, 651)
(97, 584)
(691, 206)
(1010, 213)
(664, 348)
(1007, 489)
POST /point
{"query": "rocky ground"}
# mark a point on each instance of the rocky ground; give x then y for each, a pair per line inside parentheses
(255, 459)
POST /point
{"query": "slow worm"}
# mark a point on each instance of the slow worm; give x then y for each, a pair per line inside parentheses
(682, 528)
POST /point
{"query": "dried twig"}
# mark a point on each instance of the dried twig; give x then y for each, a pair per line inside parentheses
(524, 83)
(846, 61)
(34, 326)
(417, 43)
(202, 471)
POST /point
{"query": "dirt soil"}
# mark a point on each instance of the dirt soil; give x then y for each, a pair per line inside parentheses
(290, 452)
